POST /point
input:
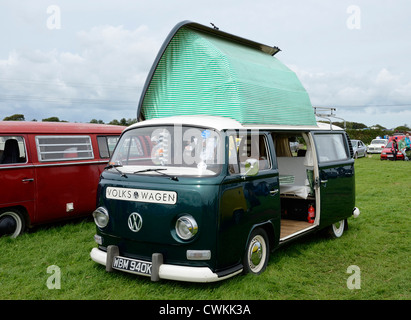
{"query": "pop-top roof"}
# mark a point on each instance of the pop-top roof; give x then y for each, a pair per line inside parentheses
(204, 71)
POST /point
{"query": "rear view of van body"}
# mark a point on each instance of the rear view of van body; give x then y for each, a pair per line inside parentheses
(49, 171)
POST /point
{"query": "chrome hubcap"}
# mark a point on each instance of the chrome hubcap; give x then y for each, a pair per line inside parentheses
(256, 253)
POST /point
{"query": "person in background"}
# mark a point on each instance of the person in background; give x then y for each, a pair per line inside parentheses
(402, 146)
(407, 140)
(406, 146)
(394, 148)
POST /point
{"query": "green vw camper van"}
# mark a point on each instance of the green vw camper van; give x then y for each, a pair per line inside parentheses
(227, 163)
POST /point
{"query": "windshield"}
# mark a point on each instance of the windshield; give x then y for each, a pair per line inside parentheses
(176, 150)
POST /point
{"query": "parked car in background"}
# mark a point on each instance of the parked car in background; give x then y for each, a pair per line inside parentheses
(49, 171)
(359, 148)
(388, 153)
(377, 145)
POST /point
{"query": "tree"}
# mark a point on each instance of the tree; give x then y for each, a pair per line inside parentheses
(96, 121)
(115, 122)
(403, 128)
(15, 117)
(53, 119)
(123, 122)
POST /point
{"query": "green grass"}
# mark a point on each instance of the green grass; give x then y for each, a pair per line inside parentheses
(315, 267)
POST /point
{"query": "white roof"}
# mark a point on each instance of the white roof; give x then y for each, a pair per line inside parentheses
(222, 123)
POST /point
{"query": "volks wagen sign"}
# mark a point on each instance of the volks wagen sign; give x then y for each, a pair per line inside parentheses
(141, 195)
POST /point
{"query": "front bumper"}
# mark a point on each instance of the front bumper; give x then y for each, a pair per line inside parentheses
(168, 271)
(374, 150)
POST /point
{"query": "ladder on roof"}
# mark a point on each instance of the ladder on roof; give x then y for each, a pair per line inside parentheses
(327, 113)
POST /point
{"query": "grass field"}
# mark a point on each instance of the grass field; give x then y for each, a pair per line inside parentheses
(315, 267)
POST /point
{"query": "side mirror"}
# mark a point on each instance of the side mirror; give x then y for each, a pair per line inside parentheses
(251, 167)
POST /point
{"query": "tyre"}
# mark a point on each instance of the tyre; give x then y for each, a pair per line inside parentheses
(257, 252)
(11, 223)
(336, 230)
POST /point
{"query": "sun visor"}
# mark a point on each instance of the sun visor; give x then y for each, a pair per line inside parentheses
(204, 71)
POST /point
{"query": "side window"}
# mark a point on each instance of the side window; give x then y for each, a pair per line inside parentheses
(64, 148)
(12, 150)
(106, 145)
(330, 147)
(246, 146)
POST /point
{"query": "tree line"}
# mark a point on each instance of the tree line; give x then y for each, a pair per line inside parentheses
(121, 122)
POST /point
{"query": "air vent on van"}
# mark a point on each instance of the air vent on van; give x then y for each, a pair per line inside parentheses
(350, 145)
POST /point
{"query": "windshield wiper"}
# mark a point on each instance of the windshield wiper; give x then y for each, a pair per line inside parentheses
(174, 178)
(114, 166)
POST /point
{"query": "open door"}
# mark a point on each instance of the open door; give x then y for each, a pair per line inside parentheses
(335, 180)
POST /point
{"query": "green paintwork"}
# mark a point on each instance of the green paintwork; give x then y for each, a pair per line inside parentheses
(338, 193)
(197, 197)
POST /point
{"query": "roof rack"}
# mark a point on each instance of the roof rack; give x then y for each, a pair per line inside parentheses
(327, 113)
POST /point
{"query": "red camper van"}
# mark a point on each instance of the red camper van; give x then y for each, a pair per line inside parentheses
(49, 171)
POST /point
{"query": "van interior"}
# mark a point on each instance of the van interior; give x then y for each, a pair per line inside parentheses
(294, 154)
(296, 171)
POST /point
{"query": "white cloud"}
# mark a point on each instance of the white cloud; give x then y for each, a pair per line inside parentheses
(103, 80)
(380, 97)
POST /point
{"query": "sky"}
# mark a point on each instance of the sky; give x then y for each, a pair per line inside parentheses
(82, 60)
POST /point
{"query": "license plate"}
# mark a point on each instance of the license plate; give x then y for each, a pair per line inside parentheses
(390, 156)
(132, 265)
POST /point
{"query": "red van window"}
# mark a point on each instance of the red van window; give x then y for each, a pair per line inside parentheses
(60, 148)
(12, 150)
(106, 145)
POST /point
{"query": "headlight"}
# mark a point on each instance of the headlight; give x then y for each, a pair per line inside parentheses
(186, 227)
(101, 217)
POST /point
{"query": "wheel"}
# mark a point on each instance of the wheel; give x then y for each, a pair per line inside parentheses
(336, 230)
(11, 223)
(257, 252)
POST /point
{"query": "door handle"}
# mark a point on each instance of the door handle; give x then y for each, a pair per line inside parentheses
(27, 180)
(273, 192)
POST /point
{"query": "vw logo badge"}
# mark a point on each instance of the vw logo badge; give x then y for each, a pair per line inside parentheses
(135, 222)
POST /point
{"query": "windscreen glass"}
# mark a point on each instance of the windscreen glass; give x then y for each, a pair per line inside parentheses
(176, 150)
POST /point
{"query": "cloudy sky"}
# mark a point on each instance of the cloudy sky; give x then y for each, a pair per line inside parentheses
(80, 60)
